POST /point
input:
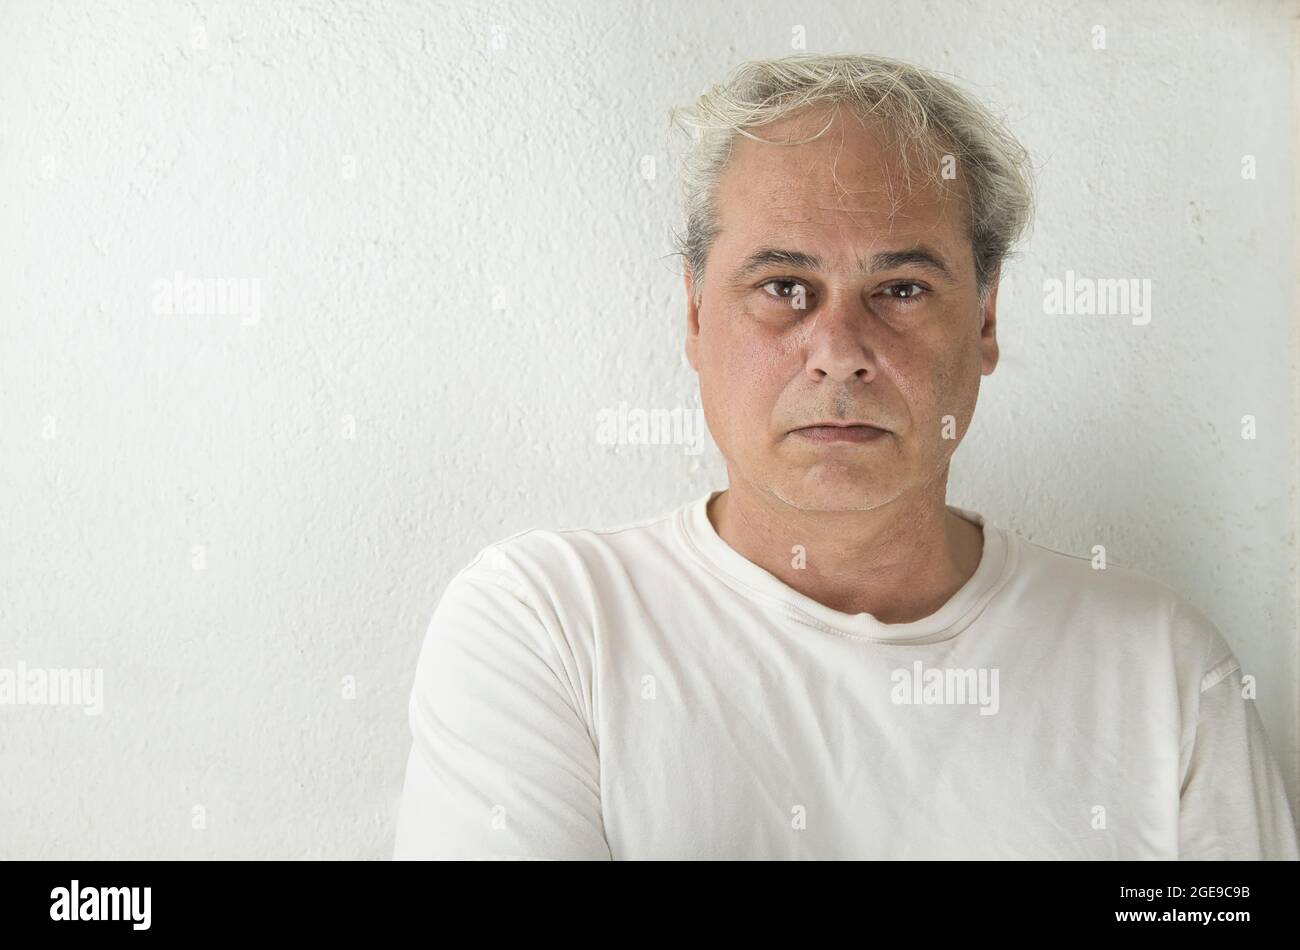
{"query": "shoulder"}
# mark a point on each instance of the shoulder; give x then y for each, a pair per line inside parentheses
(553, 564)
(1143, 612)
(534, 599)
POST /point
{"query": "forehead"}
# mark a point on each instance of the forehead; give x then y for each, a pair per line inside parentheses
(851, 184)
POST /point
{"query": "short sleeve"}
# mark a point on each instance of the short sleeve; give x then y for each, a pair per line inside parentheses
(502, 764)
(1233, 805)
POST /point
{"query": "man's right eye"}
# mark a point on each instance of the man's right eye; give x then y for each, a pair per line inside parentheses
(792, 290)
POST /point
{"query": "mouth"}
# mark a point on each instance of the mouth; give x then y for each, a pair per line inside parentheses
(840, 432)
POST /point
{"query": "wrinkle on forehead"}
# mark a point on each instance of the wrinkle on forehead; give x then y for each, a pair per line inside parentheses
(856, 169)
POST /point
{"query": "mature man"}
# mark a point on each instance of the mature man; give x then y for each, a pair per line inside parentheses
(826, 660)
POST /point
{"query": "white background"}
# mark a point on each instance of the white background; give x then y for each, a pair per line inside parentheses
(447, 210)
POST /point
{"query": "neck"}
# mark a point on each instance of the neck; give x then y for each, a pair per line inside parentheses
(899, 562)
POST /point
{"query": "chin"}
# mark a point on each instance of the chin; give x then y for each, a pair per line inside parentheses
(837, 490)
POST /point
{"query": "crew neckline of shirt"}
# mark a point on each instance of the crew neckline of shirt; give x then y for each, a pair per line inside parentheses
(998, 561)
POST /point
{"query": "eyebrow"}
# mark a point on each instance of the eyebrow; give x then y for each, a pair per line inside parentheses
(765, 257)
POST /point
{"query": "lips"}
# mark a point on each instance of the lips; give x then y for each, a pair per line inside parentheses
(841, 425)
(840, 432)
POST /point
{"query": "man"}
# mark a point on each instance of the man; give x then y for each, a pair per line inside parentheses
(826, 660)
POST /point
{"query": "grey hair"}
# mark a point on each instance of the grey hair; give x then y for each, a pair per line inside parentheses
(917, 109)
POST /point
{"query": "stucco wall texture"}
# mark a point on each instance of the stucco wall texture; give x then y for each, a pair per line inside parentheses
(447, 229)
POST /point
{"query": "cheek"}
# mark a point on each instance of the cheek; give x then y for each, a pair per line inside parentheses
(925, 379)
(962, 376)
(747, 369)
(740, 350)
(949, 391)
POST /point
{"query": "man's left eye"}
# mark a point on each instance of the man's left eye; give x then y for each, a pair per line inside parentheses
(909, 291)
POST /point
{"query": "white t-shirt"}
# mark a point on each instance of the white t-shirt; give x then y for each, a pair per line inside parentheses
(645, 692)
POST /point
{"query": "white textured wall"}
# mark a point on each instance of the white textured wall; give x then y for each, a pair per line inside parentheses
(455, 245)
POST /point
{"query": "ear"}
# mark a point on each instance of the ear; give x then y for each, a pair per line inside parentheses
(989, 327)
(692, 324)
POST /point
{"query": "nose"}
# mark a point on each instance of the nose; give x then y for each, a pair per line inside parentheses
(836, 346)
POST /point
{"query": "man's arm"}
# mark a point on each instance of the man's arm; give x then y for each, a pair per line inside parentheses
(502, 764)
(1233, 804)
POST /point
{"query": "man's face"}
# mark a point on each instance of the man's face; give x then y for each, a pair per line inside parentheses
(855, 336)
